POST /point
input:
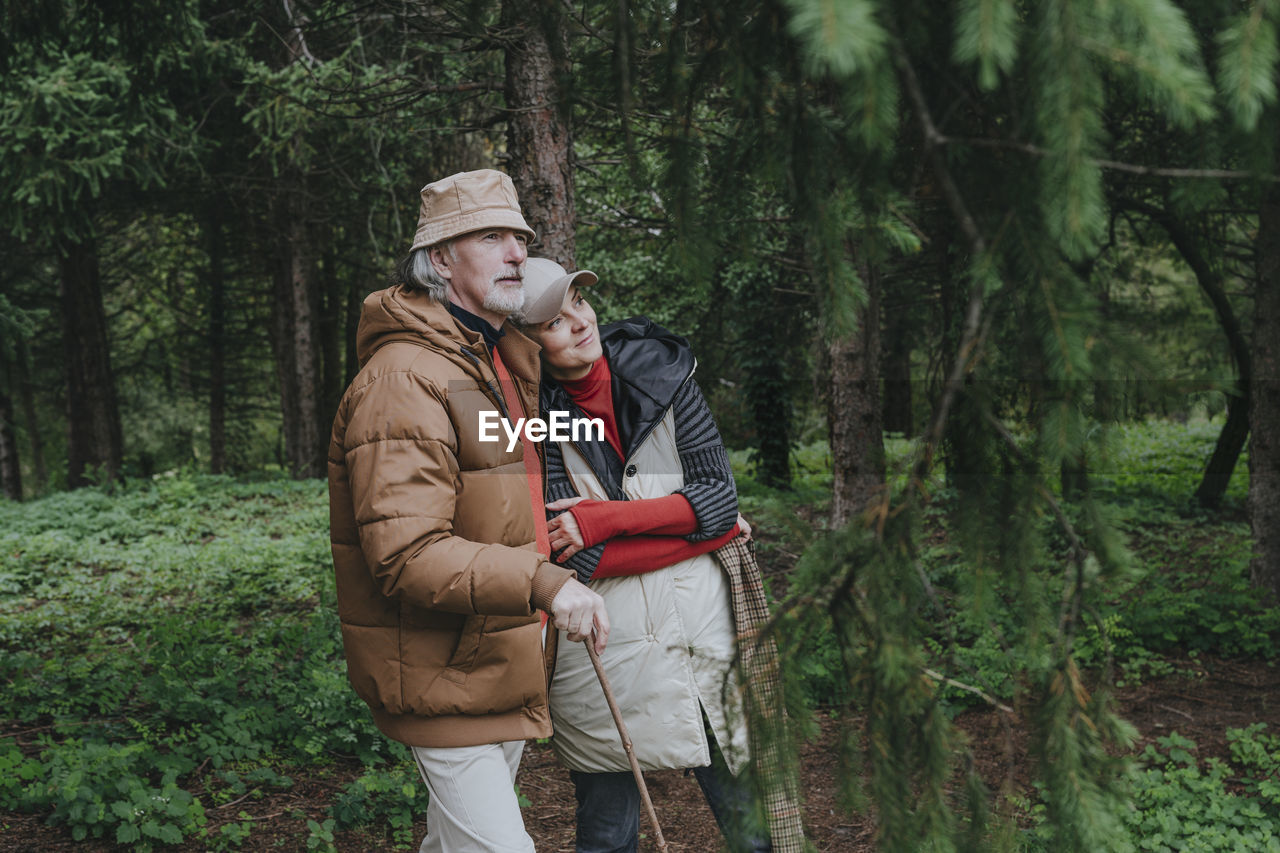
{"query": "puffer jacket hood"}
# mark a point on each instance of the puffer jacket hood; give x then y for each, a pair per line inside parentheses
(400, 314)
(397, 312)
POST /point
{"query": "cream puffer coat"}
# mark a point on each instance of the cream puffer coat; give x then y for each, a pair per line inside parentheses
(432, 533)
(671, 644)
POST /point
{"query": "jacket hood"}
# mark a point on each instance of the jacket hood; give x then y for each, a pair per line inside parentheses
(402, 314)
(651, 360)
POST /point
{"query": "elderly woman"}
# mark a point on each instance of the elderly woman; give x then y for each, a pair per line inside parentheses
(636, 513)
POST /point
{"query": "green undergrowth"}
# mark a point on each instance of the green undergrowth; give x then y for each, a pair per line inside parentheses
(171, 647)
(170, 650)
(1179, 801)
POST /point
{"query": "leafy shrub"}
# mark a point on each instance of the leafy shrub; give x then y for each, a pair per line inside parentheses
(390, 795)
(1179, 806)
(104, 790)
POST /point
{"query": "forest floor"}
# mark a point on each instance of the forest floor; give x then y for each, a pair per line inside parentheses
(132, 556)
(1205, 697)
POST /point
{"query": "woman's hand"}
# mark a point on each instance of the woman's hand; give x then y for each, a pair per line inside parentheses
(743, 526)
(563, 529)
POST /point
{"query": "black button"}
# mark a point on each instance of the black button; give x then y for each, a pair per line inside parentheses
(631, 470)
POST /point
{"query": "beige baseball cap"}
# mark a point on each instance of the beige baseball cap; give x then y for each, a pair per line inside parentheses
(465, 202)
(545, 284)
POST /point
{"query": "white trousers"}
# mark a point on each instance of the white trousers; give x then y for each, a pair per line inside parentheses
(473, 806)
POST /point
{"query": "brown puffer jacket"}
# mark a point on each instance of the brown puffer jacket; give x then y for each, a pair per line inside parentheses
(432, 533)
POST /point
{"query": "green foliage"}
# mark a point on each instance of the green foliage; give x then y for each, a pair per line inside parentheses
(104, 790)
(1180, 806)
(196, 629)
(1247, 57)
(1156, 44)
(320, 835)
(1177, 802)
(390, 795)
(963, 624)
(80, 112)
(840, 37)
(987, 31)
(1257, 753)
(66, 120)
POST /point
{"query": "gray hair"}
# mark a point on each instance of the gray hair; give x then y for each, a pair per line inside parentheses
(416, 271)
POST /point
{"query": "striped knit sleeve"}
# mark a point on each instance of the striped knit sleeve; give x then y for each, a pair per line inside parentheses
(708, 479)
(558, 486)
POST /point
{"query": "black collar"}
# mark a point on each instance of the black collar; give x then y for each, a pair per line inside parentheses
(477, 324)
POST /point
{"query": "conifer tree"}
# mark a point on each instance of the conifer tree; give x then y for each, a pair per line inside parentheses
(888, 95)
(86, 116)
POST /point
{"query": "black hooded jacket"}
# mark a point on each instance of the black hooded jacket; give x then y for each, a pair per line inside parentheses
(652, 372)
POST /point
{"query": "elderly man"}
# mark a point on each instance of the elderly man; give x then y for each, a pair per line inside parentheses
(439, 538)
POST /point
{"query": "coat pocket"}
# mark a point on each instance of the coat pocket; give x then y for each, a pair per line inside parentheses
(464, 655)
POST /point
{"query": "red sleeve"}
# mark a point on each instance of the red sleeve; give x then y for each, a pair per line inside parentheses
(635, 555)
(600, 521)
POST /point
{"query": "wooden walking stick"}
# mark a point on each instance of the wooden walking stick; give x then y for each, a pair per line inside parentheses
(626, 743)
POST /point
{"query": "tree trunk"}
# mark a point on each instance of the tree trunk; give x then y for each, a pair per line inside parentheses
(1264, 448)
(331, 328)
(355, 304)
(952, 296)
(94, 440)
(216, 284)
(539, 141)
(1073, 476)
(29, 418)
(1217, 474)
(895, 358)
(854, 412)
(10, 467)
(765, 356)
(1226, 452)
(297, 347)
(1231, 440)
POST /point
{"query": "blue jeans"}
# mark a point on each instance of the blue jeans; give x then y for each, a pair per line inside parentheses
(609, 809)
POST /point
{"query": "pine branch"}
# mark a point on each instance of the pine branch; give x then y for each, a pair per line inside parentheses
(1114, 165)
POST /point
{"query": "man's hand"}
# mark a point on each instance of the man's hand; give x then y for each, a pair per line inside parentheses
(580, 611)
(563, 530)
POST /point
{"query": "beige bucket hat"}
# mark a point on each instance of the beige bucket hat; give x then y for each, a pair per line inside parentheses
(545, 284)
(468, 201)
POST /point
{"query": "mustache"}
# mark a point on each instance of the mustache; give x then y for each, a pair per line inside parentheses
(517, 274)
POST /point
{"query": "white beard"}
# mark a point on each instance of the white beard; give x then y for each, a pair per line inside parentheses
(504, 298)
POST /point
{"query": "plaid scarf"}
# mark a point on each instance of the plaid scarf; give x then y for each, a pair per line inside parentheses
(762, 693)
